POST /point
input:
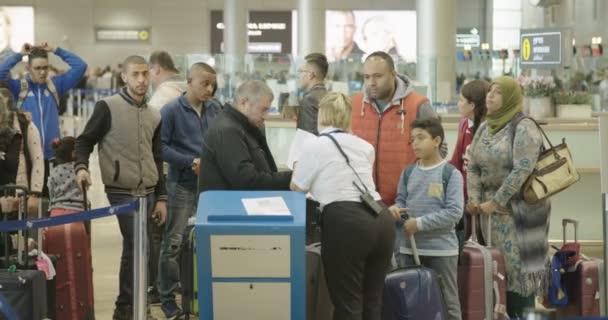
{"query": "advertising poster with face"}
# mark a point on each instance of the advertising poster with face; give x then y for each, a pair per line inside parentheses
(355, 34)
(16, 28)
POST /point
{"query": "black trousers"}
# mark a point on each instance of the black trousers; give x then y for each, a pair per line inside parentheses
(357, 250)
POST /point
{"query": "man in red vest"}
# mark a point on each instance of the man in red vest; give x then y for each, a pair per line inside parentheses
(382, 116)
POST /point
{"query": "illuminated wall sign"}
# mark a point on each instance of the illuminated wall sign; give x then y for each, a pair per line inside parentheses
(269, 31)
(128, 35)
(541, 48)
(16, 28)
(467, 39)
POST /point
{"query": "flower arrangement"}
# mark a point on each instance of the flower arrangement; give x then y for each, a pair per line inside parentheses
(538, 87)
(572, 97)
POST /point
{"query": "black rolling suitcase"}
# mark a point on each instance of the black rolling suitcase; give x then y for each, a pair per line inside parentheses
(318, 301)
(188, 276)
(22, 288)
(24, 292)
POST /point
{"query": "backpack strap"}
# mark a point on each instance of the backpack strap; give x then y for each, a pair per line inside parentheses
(24, 123)
(25, 88)
(407, 174)
(446, 174)
(514, 122)
(50, 85)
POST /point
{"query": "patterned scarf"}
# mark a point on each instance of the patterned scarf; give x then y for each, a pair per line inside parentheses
(511, 103)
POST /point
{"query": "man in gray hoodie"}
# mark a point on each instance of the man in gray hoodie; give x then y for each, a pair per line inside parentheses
(167, 84)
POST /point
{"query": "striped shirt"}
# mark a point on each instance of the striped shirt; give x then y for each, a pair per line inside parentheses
(437, 211)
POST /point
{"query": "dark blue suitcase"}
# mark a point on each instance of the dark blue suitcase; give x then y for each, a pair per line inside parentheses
(413, 293)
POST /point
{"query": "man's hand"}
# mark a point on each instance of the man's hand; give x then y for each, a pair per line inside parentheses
(83, 179)
(196, 165)
(410, 226)
(159, 215)
(396, 212)
(32, 206)
(488, 207)
(25, 49)
(47, 47)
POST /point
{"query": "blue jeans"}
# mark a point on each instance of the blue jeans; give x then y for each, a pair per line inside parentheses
(125, 222)
(180, 207)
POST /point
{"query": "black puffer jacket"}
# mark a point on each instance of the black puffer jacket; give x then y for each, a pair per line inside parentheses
(236, 156)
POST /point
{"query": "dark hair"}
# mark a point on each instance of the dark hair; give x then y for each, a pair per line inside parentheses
(475, 92)
(319, 61)
(164, 60)
(7, 95)
(135, 59)
(384, 56)
(431, 125)
(200, 65)
(64, 149)
(37, 53)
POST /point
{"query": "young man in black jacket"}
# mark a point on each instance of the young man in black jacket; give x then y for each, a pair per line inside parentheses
(128, 135)
(235, 153)
(311, 78)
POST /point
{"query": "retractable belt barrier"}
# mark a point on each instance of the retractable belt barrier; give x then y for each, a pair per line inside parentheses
(16, 225)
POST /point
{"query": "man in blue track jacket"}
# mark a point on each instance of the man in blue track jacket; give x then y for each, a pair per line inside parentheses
(39, 95)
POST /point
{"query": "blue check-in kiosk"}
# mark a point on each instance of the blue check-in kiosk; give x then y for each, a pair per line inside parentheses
(251, 255)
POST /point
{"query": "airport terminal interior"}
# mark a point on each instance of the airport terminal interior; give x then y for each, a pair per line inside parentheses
(541, 59)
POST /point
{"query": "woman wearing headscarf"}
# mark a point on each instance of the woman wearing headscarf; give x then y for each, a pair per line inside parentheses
(503, 154)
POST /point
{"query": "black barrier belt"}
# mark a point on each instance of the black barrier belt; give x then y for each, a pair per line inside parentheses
(15, 225)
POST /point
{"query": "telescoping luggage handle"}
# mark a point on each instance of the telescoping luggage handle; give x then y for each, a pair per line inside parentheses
(23, 237)
(574, 222)
(404, 217)
(488, 230)
(492, 293)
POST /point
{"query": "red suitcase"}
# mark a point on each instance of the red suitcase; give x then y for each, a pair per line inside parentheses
(482, 280)
(582, 284)
(74, 269)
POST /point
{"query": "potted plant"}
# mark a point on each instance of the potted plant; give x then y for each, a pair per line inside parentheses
(538, 92)
(573, 104)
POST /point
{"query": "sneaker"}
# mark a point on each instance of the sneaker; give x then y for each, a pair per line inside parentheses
(153, 296)
(171, 310)
(123, 312)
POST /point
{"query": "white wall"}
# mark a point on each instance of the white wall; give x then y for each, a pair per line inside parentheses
(179, 26)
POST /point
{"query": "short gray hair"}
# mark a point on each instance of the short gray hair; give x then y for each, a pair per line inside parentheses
(252, 90)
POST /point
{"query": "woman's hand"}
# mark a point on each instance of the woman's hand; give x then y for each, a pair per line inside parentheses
(473, 207)
(396, 212)
(488, 207)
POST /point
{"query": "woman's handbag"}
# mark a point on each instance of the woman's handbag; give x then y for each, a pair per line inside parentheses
(553, 173)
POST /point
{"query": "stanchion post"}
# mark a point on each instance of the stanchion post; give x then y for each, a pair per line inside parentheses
(140, 259)
(603, 132)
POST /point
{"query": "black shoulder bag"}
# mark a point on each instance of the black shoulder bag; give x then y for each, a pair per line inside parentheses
(377, 207)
